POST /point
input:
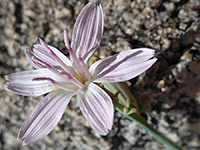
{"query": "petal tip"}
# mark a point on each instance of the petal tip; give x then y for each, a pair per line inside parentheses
(154, 59)
(27, 142)
(8, 88)
(20, 136)
(6, 77)
(24, 143)
(104, 133)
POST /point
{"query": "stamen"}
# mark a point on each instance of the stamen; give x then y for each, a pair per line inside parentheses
(59, 85)
(71, 52)
(62, 64)
(85, 69)
(73, 79)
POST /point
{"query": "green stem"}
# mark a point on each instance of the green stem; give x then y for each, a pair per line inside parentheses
(156, 134)
(125, 103)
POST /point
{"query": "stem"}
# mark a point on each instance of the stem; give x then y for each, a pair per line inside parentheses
(156, 134)
(113, 88)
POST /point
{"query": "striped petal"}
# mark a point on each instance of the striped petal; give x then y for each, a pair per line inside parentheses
(44, 117)
(21, 82)
(42, 53)
(97, 107)
(88, 30)
(30, 89)
(123, 66)
(29, 54)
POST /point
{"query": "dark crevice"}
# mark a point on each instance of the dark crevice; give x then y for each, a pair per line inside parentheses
(2, 142)
(177, 8)
(18, 16)
(161, 7)
(133, 42)
(178, 47)
(45, 28)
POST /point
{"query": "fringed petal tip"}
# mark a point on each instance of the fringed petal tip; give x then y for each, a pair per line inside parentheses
(7, 88)
(123, 66)
(7, 77)
(24, 141)
(18, 138)
(29, 88)
(24, 144)
(21, 139)
(44, 117)
(88, 30)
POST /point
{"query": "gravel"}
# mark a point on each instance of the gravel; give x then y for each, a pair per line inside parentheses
(171, 86)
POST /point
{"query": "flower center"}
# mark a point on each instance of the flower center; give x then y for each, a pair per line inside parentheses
(72, 79)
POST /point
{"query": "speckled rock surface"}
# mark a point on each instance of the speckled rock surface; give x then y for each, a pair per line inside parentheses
(172, 85)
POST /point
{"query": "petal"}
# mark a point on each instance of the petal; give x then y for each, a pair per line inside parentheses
(30, 89)
(88, 30)
(44, 117)
(29, 75)
(97, 107)
(21, 82)
(42, 53)
(29, 54)
(123, 66)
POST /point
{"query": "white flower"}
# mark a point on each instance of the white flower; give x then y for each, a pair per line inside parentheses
(65, 78)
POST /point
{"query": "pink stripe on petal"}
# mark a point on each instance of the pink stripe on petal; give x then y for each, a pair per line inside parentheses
(44, 117)
(42, 53)
(88, 30)
(99, 24)
(91, 118)
(30, 88)
(29, 55)
(97, 107)
(123, 66)
(21, 82)
(25, 76)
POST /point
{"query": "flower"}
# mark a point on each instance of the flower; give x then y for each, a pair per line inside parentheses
(66, 78)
